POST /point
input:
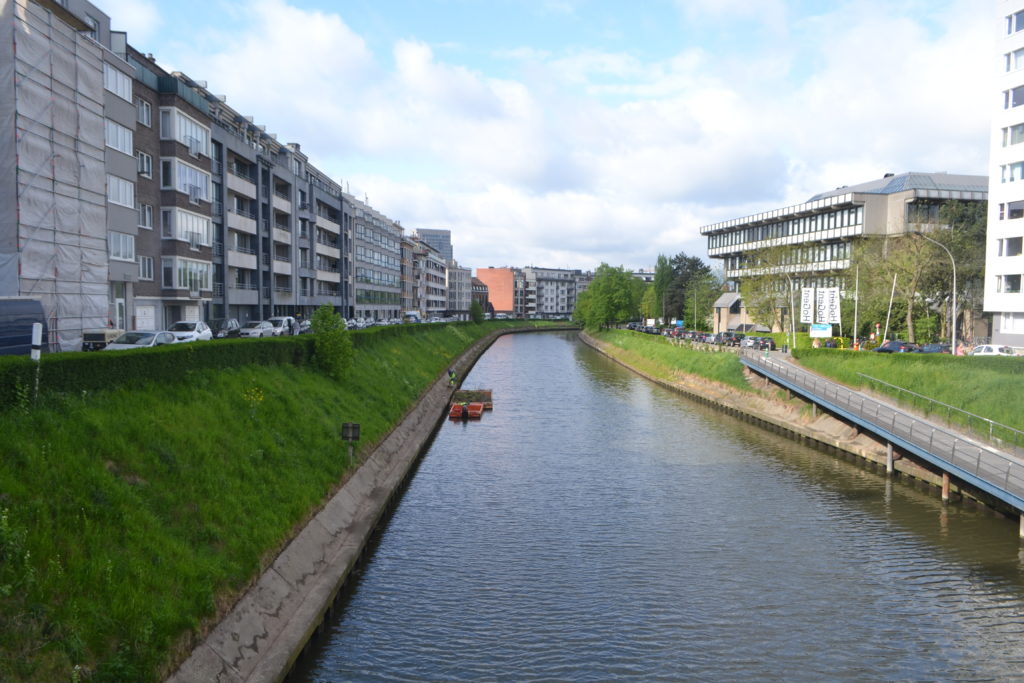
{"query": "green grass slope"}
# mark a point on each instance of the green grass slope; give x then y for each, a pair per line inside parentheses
(130, 517)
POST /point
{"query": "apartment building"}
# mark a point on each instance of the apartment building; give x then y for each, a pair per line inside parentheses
(430, 277)
(821, 231)
(438, 239)
(550, 292)
(1004, 245)
(68, 220)
(376, 263)
(481, 296)
(459, 288)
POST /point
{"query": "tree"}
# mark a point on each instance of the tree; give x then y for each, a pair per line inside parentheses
(686, 295)
(765, 290)
(613, 296)
(476, 311)
(662, 281)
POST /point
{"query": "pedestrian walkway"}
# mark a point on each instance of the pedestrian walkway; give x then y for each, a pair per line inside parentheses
(997, 472)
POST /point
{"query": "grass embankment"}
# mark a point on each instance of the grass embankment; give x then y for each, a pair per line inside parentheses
(992, 388)
(660, 358)
(130, 517)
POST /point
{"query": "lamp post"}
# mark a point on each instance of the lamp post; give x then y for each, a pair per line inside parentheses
(792, 312)
(953, 262)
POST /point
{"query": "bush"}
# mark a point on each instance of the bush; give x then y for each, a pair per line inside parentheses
(334, 349)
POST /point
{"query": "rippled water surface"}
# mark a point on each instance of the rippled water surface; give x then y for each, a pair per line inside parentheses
(596, 527)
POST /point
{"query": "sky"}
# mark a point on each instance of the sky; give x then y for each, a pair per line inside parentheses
(570, 133)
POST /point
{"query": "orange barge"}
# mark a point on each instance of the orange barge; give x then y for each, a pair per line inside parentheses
(470, 404)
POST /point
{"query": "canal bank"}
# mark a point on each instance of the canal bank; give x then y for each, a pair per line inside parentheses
(268, 627)
(779, 411)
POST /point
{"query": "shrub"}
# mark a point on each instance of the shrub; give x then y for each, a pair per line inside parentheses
(334, 350)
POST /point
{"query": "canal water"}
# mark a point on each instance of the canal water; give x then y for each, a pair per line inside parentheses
(596, 527)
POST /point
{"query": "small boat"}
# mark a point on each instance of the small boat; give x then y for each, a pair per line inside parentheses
(474, 411)
(470, 404)
(457, 412)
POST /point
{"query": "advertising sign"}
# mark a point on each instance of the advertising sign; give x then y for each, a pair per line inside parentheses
(821, 330)
(807, 305)
(832, 310)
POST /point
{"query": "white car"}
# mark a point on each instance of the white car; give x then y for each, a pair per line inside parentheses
(191, 330)
(991, 350)
(257, 328)
(140, 340)
(282, 324)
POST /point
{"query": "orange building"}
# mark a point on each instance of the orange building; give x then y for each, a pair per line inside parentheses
(500, 287)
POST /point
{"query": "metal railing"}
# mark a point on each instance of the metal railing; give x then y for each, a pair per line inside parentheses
(1001, 471)
(996, 433)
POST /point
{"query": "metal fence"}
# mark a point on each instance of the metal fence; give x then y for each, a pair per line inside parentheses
(997, 472)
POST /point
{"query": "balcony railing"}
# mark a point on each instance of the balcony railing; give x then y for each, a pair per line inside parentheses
(244, 285)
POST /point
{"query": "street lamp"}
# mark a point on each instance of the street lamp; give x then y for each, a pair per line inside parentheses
(953, 262)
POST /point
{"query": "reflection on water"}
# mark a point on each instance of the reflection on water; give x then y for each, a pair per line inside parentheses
(595, 526)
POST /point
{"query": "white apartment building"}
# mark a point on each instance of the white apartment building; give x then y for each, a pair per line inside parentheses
(1004, 249)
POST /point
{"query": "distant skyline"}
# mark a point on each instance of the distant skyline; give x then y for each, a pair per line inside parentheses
(566, 133)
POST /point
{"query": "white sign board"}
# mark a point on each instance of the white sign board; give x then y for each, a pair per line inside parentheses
(807, 305)
(828, 305)
(821, 330)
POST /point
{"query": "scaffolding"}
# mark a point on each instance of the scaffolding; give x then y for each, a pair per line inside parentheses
(53, 235)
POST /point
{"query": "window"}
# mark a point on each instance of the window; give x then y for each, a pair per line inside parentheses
(1015, 60)
(177, 175)
(176, 125)
(94, 27)
(189, 227)
(1011, 246)
(1012, 172)
(194, 275)
(1013, 322)
(1013, 135)
(145, 267)
(117, 82)
(167, 222)
(121, 246)
(1015, 22)
(120, 192)
(1013, 98)
(145, 165)
(167, 271)
(144, 112)
(145, 216)
(119, 137)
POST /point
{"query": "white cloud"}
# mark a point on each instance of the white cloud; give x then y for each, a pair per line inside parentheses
(139, 18)
(593, 156)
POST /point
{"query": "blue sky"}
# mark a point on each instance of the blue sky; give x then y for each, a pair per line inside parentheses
(566, 133)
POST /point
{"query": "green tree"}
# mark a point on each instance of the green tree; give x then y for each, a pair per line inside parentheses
(476, 312)
(613, 296)
(662, 281)
(332, 342)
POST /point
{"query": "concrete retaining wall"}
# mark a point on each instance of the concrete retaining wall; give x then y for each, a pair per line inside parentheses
(263, 635)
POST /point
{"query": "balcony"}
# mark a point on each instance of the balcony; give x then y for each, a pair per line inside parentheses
(281, 202)
(239, 259)
(282, 265)
(282, 235)
(328, 276)
(240, 185)
(327, 250)
(241, 222)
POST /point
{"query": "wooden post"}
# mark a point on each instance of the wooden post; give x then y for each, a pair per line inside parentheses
(888, 459)
(945, 487)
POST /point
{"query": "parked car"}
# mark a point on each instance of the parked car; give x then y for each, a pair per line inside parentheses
(224, 328)
(750, 342)
(257, 328)
(732, 338)
(141, 339)
(897, 346)
(766, 343)
(991, 350)
(96, 339)
(191, 330)
(283, 324)
(306, 326)
(935, 348)
(17, 314)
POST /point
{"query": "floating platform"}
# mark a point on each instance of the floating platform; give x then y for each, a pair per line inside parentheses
(470, 404)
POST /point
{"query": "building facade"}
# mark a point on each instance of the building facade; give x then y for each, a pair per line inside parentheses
(1004, 245)
(459, 288)
(550, 293)
(820, 232)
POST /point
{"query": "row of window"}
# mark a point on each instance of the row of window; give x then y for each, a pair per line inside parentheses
(803, 256)
(367, 255)
(1008, 284)
(1010, 246)
(364, 232)
(374, 277)
(373, 296)
(795, 226)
